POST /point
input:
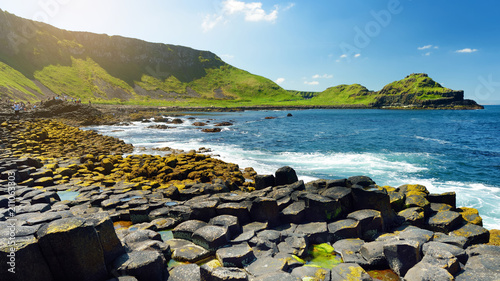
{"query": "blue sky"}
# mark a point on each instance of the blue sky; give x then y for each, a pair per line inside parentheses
(309, 45)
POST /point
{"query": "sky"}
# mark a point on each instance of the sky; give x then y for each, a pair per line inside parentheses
(309, 45)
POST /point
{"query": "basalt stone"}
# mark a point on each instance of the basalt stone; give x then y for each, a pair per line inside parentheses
(474, 234)
(263, 181)
(308, 273)
(236, 256)
(349, 271)
(344, 229)
(295, 212)
(266, 265)
(397, 200)
(41, 207)
(444, 221)
(416, 234)
(320, 208)
(185, 272)
(285, 175)
(417, 200)
(360, 180)
(373, 253)
(265, 210)
(171, 192)
(458, 252)
(230, 222)
(153, 245)
(414, 216)
(449, 198)
(229, 274)
(402, 255)
(316, 232)
(276, 276)
(371, 223)
(144, 265)
(211, 237)
(263, 247)
(207, 269)
(458, 241)
(47, 217)
(442, 259)
(190, 253)
(204, 210)
(141, 235)
(181, 212)
(294, 245)
(484, 263)
(342, 194)
(186, 229)
(377, 200)
(139, 214)
(349, 249)
(239, 210)
(470, 215)
(24, 261)
(255, 226)
(243, 237)
(439, 207)
(65, 244)
(111, 245)
(482, 249)
(425, 272)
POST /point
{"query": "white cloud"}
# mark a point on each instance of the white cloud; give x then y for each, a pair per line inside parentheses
(425, 47)
(311, 83)
(427, 54)
(466, 50)
(343, 56)
(324, 76)
(253, 12)
(279, 80)
(357, 55)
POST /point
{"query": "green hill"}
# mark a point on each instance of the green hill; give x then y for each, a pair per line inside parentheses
(38, 61)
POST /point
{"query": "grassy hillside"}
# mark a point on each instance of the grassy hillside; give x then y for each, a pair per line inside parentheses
(14, 84)
(418, 84)
(345, 94)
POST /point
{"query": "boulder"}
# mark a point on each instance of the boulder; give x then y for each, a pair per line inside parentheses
(373, 253)
(65, 244)
(457, 252)
(320, 208)
(143, 265)
(342, 194)
(294, 213)
(240, 255)
(186, 229)
(285, 175)
(444, 221)
(185, 272)
(265, 209)
(263, 181)
(360, 180)
(449, 198)
(315, 232)
(343, 229)
(402, 255)
(414, 216)
(474, 234)
(371, 223)
(211, 237)
(26, 262)
(470, 215)
(204, 210)
(377, 200)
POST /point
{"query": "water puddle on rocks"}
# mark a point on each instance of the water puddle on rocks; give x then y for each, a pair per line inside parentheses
(383, 275)
(68, 195)
(166, 235)
(322, 255)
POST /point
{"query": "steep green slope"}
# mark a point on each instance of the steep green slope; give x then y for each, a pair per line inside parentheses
(354, 94)
(15, 84)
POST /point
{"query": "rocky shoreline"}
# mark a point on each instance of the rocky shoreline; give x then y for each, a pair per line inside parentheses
(75, 206)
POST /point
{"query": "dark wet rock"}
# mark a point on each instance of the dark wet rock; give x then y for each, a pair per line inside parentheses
(474, 234)
(295, 212)
(229, 274)
(186, 272)
(265, 210)
(211, 237)
(29, 263)
(204, 210)
(186, 229)
(320, 208)
(316, 232)
(223, 124)
(308, 272)
(72, 238)
(371, 223)
(342, 194)
(266, 265)
(377, 200)
(240, 255)
(444, 221)
(263, 181)
(212, 130)
(458, 241)
(449, 198)
(276, 276)
(343, 229)
(111, 245)
(285, 175)
(424, 272)
(189, 253)
(373, 253)
(230, 222)
(239, 210)
(349, 271)
(458, 252)
(402, 255)
(144, 265)
(360, 180)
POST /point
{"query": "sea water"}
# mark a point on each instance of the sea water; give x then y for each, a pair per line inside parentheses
(445, 150)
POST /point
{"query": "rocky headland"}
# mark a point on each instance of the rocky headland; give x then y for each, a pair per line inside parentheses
(76, 205)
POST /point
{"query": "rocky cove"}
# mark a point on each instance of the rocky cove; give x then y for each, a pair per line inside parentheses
(188, 216)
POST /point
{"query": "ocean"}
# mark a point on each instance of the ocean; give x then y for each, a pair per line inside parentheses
(444, 150)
